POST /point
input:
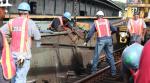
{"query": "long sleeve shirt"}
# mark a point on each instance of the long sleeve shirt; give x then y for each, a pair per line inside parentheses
(93, 30)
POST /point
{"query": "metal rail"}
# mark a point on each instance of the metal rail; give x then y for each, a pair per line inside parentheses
(98, 76)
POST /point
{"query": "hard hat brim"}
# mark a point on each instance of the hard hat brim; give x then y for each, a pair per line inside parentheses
(5, 5)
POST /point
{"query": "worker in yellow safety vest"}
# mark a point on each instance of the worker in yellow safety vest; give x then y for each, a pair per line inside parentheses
(21, 29)
(7, 65)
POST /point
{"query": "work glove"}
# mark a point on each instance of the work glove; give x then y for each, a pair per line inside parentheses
(20, 61)
(38, 44)
(84, 44)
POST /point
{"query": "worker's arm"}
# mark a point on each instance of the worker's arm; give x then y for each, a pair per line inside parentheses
(144, 26)
(144, 30)
(129, 27)
(33, 30)
(90, 33)
(55, 23)
(5, 29)
(113, 28)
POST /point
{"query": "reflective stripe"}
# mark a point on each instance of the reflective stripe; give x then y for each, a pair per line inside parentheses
(23, 35)
(132, 28)
(107, 27)
(140, 25)
(102, 27)
(8, 58)
(97, 26)
(10, 25)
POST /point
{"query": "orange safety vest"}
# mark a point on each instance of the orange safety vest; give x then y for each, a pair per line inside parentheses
(136, 28)
(102, 27)
(7, 62)
(19, 31)
(61, 23)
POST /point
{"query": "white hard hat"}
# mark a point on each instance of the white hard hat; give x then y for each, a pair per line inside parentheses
(100, 13)
(6, 4)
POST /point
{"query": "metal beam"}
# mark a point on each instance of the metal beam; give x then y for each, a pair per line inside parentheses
(54, 7)
(139, 5)
(106, 4)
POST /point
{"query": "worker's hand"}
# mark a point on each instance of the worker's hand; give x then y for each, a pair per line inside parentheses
(20, 61)
(38, 44)
(85, 44)
(142, 38)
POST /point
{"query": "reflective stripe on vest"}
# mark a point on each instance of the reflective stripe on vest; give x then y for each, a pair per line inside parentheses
(19, 32)
(102, 27)
(137, 28)
(7, 62)
(23, 35)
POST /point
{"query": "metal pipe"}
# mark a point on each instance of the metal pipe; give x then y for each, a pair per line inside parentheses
(55, 7)
(91, 8)
(85, 7)
(65, 5)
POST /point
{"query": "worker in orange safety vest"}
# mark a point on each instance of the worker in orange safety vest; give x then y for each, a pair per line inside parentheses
(61, 23)
(7, 65)
(104, 41)
(136, 28)
(21, 29)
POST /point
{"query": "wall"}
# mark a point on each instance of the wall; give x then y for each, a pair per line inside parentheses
(48, 9)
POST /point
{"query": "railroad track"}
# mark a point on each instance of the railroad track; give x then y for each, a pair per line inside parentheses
(103, 75)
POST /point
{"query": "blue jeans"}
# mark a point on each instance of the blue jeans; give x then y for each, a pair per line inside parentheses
(106, 44)
(21, 73)
(135, 38)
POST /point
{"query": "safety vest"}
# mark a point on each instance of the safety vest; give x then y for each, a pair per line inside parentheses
(7, 62)
(102, 27)
(136, 28)
(19, 31)
(61, 23)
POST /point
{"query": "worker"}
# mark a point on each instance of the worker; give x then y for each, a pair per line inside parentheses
(136, 28)
(61, 23)
(104, 41)
(143, 73)
(7, 65)
(21, 29)
(130, 61)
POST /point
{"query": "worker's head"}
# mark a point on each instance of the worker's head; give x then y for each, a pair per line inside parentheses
(136, 15)
(3, 5)
(67, 16)
(100, 14)
(131, 56)
(24, 8)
